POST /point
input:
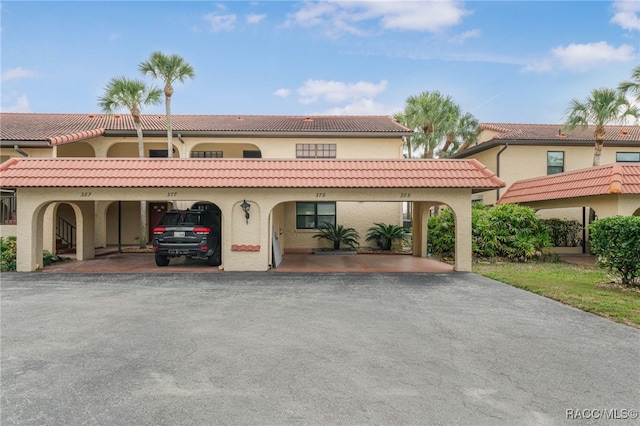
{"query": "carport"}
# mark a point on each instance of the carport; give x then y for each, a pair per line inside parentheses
(234, 184)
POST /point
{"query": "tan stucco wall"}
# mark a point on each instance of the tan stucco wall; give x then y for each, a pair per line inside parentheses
(358, 215)
(77, 149)
(236, 231)
(7, 153)
(520, 162)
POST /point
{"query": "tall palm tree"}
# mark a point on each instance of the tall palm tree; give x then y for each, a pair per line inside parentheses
(468, 132)
(168, 69)
(604, 106)
(631, 87)
(132, 95)
(431, 114)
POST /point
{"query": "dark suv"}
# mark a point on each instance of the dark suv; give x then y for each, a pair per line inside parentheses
(190, 233)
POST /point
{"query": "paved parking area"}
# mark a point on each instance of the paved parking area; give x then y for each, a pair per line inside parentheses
(318, 349)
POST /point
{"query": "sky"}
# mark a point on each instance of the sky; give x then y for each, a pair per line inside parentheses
(502, 61)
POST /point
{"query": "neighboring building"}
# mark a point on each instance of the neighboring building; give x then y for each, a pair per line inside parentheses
(296, 172)
(516, 152)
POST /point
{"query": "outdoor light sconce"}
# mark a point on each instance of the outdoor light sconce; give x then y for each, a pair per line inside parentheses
(245, 208)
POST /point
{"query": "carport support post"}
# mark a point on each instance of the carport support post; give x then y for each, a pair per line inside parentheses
(85, 221)
(462, 210)
(29, 232)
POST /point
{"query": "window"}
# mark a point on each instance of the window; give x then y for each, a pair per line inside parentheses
(316, 150)
(314, 215)
(206, 154)
(555, 162)
(627, 157)
(251, 154)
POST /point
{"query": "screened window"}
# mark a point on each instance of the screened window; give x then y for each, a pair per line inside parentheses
(555, 162)
(314, 215)
(206, 154)
(316, 150)
(628, 157)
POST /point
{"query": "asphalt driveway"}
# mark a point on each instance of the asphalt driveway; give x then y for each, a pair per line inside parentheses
(319, 349)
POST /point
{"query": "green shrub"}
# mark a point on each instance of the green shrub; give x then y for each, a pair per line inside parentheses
(7, 254)
(564, 233)
(616, 243)
(506, 231)
(338, 235)
(384, 235)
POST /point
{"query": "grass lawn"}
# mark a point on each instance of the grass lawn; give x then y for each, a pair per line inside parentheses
(584, 287)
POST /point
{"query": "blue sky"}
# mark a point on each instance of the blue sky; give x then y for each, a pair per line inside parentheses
(502, 61)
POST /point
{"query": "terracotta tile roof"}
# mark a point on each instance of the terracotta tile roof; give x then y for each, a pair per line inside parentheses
(618, 178)
(551, 135)
(554, 132)
(58, 128)
(245, 173)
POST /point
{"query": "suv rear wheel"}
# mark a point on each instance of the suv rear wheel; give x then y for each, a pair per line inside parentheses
(162, 260)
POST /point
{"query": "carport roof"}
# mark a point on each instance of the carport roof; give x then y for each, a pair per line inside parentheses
(618, 178)
(245, 173)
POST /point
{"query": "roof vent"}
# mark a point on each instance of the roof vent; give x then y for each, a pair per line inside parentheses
(91, 116)
(560, 134)
(117, 117)
(239, 118)
(624, 132)
(308, 119)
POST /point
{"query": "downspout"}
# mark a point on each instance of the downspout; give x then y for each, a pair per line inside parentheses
(20, 151)
(506, 145)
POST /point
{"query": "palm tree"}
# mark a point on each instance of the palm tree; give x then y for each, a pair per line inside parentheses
(123, 93)
(602, 107)
(433, 115)
(631, 87)
(168, 69)
(468, 131)
(338, 234)
(385, 234)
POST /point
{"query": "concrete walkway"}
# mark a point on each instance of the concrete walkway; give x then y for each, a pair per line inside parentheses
(109, 261)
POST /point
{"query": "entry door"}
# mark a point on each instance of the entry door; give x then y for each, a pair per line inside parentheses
(156, 210)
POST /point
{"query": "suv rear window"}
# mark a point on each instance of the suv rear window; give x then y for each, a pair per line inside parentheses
(175, 219)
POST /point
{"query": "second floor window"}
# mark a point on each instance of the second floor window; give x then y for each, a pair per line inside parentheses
(206, 154)
(627, 157)
(316, 150)
(555, 162)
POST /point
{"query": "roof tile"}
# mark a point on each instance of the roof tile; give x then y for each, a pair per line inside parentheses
(242, 173)
(617, 178)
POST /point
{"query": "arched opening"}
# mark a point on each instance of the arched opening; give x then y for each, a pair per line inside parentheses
(637, 212)
(65, 228)
(76, 149)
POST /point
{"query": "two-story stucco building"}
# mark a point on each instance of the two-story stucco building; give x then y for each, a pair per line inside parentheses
(82, 171)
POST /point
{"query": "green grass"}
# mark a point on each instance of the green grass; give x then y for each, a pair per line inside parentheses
(584, 287)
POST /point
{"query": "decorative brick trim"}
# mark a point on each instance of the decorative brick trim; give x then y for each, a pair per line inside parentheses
(244, 247)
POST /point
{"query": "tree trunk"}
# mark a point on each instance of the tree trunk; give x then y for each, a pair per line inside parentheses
(599, 135)
(169, 126)
(143, 204)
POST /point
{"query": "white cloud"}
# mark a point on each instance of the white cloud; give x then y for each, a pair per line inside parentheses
(365, 106)
(581, 57)
(627, 15)
(461, 38)
(283, 93)
(21, 105)
(337, 91)
(255, 18)
(338, 17)
(18, 73)
(219, 23)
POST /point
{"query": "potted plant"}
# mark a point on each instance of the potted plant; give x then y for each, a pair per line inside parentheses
(338, 235)
(384, 235)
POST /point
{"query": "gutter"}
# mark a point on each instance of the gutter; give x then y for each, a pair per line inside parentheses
(256, 133)
(20, 151)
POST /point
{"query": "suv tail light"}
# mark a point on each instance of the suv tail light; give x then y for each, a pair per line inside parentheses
(201, 230)
(159, 230)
